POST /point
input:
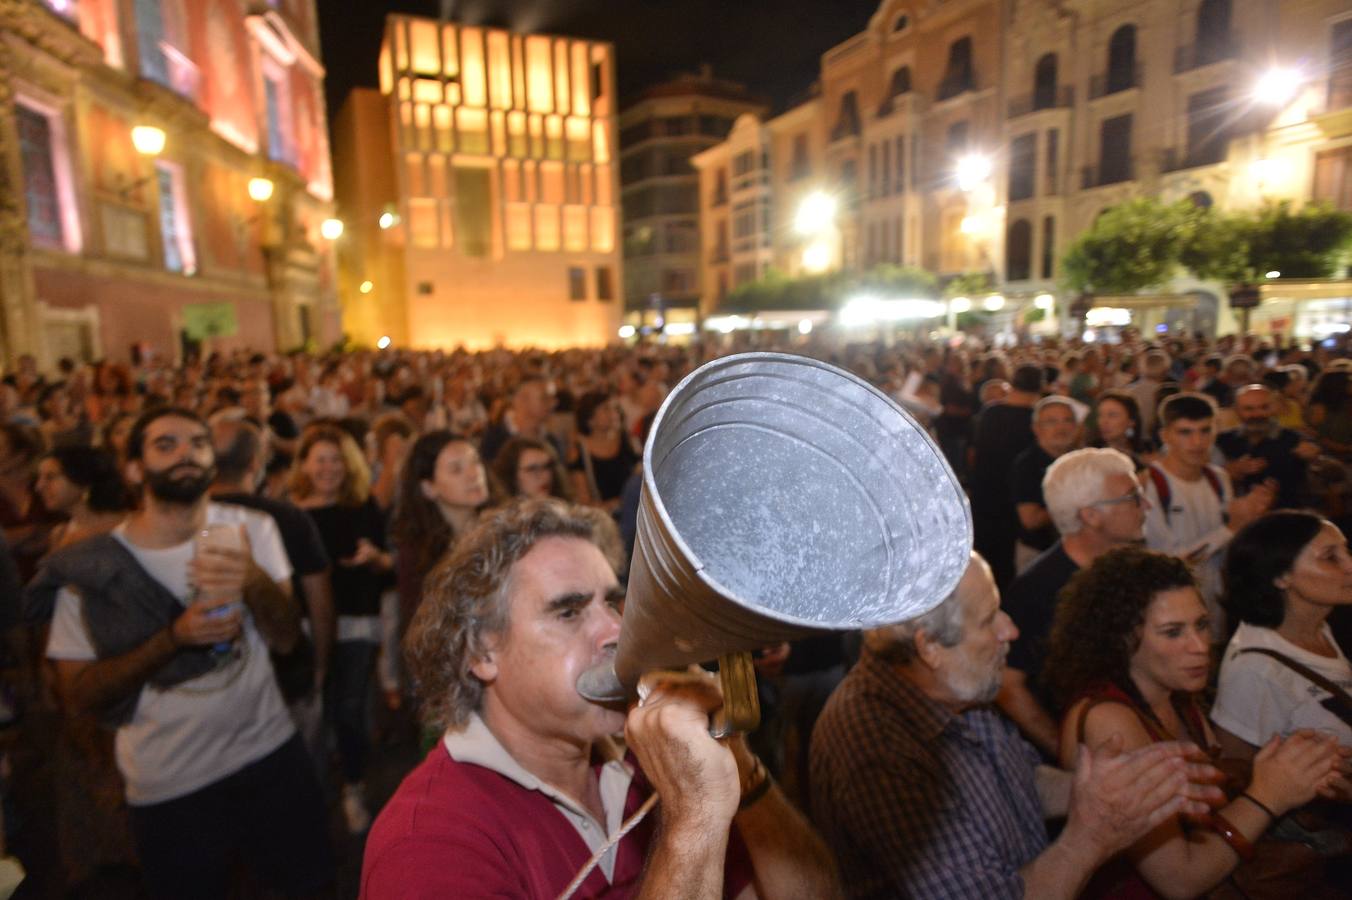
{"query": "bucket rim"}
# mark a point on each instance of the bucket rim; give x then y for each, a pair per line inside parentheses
(701, 569)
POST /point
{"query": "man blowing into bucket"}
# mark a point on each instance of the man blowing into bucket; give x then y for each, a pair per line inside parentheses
(527, 783)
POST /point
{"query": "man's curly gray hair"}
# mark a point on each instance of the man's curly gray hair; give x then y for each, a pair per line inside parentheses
(466, 599)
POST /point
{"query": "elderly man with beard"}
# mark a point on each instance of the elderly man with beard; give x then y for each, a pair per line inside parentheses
(165, 636)
(1260, 448)
(924, 791)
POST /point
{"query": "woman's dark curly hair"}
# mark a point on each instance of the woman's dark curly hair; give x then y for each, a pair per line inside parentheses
(1099, 616)
(1263, 551)
(418, 528)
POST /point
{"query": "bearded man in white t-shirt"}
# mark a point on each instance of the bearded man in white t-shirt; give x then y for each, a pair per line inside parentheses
(213, 766)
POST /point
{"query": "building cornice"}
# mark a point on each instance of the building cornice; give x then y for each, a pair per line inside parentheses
(33, 23)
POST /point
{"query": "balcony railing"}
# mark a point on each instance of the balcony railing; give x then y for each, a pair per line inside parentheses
(1100, 175)
(184, 77)
(954, 85)
(1114, 81)
(1056, 97)
(1175, 160)
(1205, 52)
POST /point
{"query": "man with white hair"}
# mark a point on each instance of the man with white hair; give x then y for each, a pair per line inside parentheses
(923, 790)
(1096, 504)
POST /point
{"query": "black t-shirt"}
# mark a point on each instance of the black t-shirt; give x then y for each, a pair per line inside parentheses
(1002, 433)
(611, 474)
(1031, 602)
(1282, 463)
(1026, 487)
(300, 535)
(356, 589)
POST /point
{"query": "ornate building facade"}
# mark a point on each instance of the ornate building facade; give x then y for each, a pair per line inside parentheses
(982, 136)
(164, 178)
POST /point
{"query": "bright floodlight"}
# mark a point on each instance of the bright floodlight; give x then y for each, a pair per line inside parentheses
(960, 305)
(626, 331)
(805, 326)
(260, 189)
(383, 342)
(1276, 87)
(815, 213)
(1273, 274)
(1044, 301)
(973, 169)
(331, 229)
(388, 220)
(148, 140)
(817, 257)
(994, 303)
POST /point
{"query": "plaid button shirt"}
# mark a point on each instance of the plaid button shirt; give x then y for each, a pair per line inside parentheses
(917, 801)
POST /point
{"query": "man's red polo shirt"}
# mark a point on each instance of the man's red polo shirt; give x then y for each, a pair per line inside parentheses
(460, 829)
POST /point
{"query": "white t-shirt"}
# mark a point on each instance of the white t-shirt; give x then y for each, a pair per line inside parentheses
(1193, 530)
(1258, 696)
(196, 733)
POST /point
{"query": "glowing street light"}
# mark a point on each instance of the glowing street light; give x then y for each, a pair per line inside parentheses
(973, 169)
(331, 229)
(960, 305)
(993, 303)
(1273, 274)
(383, 342)
(1044, 302)
(815, 213)
(816, 257)
(627, 331)
(366, 287)
(805, 326)
(1277, 86)
(260, 189)
(148, 140)
(388, 220)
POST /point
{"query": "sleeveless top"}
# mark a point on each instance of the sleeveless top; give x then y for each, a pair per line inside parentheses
(1118, 879)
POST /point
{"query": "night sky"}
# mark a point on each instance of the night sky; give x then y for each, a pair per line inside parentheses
(774, 48)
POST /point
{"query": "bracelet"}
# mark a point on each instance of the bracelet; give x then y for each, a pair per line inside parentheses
(1232, 836)
(1256, 802)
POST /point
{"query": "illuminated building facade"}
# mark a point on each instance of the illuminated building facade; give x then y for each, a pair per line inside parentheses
(502, 204)
(137, 143)
(982, 136)
(660, 130)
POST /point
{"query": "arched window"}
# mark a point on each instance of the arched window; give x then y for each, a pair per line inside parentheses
(959, 76)
(1019, 251)
(1213, 31)
(1044, 82)
(901, 82)
(1122, 59)
(847, 124)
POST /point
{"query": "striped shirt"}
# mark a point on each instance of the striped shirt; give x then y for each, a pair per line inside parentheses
(918, 801)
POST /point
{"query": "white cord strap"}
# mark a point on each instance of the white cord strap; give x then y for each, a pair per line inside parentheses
(629, 825)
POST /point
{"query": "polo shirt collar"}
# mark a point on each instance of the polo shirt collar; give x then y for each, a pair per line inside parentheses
(476, 745)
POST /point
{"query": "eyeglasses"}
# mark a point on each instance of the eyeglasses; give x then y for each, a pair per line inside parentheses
(1135, 496)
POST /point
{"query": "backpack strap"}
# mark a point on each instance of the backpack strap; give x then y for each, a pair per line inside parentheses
(1339, 697)
(1215, 481)
(1162, 489)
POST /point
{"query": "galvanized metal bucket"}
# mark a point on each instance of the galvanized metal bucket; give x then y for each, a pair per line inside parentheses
(781, 497)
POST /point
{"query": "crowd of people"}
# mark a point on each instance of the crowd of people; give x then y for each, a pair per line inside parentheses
(214, 573)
